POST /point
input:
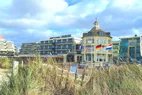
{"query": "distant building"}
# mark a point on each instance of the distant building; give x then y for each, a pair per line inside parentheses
(130, 49)
(94, 43)
(29, 49)
(116, 47)
(62, 45)
(7, 48)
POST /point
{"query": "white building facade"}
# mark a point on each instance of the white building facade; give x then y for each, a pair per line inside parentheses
(7, 48)
(94, 45)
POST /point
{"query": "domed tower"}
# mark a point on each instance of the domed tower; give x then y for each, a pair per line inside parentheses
(97, 26)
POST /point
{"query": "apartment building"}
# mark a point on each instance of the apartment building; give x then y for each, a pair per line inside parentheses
(7, 48)
(29, 49)
(130, 49)
(62, 45)
(58, 45)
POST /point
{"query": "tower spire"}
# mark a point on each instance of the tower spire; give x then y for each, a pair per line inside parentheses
(96, 23)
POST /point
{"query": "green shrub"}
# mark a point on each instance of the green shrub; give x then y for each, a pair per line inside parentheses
(5, 63)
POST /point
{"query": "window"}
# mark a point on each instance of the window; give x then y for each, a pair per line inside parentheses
(59, 47)
(70, 46)
(89, 48)
(58, 41)
(70, 40)
(63, 46)
(97, 41)
(90, 40)
(64, 40)
(46, 47)
(109, 41)
(50, 47)
(104, 41)
(46, 42)
(41, 47)
(42, 42)
(50, 41)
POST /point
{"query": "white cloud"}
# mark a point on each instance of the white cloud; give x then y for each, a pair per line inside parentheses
(43, 34)
(64, 20)
(126, 5)
(53, 6)
(50, 8)
(72, 14)
(136, 31)
(22, 23)
(52, 11)
(86, 7)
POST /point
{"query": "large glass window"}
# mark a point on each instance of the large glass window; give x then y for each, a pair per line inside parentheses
(132, 42)
(132, 52)
(88, 57)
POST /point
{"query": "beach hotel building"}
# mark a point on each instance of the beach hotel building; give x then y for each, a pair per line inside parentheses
(97, 46)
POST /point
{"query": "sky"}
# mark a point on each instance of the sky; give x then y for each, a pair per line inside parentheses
(24, 21)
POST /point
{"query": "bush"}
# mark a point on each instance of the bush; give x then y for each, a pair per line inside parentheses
(5, 63)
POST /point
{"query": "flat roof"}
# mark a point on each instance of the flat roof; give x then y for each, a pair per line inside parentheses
(130, 37)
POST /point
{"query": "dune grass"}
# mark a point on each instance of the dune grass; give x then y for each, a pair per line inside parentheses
(48, 78)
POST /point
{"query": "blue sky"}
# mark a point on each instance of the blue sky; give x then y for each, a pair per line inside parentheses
(35, 20)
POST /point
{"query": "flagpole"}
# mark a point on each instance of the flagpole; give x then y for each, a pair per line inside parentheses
(91, 53)
(102, 54)
(112, 54)
(84, 53)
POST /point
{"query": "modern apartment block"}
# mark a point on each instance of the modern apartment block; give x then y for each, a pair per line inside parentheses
(130, 49)
(94, 43)
(7, 48)
(29, 49)
(62, 45)
(58, 45)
